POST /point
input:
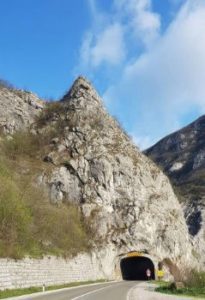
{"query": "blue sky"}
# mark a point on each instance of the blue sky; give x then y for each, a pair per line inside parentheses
(146, 58)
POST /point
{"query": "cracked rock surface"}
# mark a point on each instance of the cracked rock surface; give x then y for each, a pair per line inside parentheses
(18, 109)
(128, 201)
(125, 197)
(181, 156)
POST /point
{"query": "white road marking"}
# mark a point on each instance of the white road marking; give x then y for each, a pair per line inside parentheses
(129, 294)
(92, 292)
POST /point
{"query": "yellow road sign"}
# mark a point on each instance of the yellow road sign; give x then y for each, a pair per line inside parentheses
(160, 273)
(134, 253)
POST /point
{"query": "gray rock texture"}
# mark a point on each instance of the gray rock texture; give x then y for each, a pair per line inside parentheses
(125, 197)
(18, 109)
(181, 156)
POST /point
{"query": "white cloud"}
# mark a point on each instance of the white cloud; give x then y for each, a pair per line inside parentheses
(93, 8)
(85, 49)
(167, 82)
(160, 85)
(174, 70)
(105, 41)
(98, 18)
(142, 20)
(108, 47)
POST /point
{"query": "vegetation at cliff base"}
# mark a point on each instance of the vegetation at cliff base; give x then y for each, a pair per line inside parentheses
(29, 224)
(26, 291)
(194, 286)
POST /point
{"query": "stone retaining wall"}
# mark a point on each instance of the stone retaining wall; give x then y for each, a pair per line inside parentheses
(49, 271)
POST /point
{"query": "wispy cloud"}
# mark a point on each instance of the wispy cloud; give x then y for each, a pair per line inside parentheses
(106, 47)
(144, 23)
(166, 82)
(160, 84)
(106, 39)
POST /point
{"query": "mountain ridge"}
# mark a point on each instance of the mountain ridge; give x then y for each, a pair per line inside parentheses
(181, 155)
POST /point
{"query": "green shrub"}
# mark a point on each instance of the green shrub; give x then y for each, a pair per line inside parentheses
(25, 144)
(30, 225)
(20, 144)
(15, 219)
(58, 229)
(194, 283)
(195, 279)
(50, 112)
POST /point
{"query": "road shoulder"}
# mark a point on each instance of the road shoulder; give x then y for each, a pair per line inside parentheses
(38, 294)
(145, 291)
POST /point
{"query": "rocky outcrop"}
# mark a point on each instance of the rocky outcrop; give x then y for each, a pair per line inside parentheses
(18, 109)
(126, 198)
(181, 156)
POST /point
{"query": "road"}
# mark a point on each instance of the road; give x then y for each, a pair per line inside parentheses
(112, 291)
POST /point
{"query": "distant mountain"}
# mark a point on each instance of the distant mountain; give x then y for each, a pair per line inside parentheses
(181, 155)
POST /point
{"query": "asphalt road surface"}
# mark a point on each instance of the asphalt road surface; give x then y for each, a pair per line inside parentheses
(112, 291)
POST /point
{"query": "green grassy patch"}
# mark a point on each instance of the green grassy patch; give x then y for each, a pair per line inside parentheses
(192, 292)
(194, 285)
(26, 291)
(29, 224)
(19, 292)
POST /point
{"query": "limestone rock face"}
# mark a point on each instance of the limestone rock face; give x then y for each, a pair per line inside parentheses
(17, 109)
(123, 194)
(181, 156)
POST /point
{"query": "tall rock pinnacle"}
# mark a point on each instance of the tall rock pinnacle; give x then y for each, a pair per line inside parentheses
(82, 90)
(128, 201)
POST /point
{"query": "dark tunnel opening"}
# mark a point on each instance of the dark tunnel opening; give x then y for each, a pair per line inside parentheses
(135, 268)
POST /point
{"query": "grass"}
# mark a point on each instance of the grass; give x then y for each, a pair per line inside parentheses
(29, 224)
(26, 145)
(52, 110)
(194, 286)
(192, 292)
(19, 292)
(31, 290)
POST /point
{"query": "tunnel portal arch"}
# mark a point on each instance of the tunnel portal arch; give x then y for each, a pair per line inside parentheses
(134, 267)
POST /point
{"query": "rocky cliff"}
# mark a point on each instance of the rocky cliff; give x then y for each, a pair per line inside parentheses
(18, 108)
(181, 156)
(126, 199)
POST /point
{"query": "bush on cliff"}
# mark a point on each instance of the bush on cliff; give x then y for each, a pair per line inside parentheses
(194, 285)
(30, 225)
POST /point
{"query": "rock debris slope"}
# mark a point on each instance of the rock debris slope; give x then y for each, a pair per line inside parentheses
(125, 197)
(18, 109)
(182, 157)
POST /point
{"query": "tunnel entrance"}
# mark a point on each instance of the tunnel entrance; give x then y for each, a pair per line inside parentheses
(134, 268)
